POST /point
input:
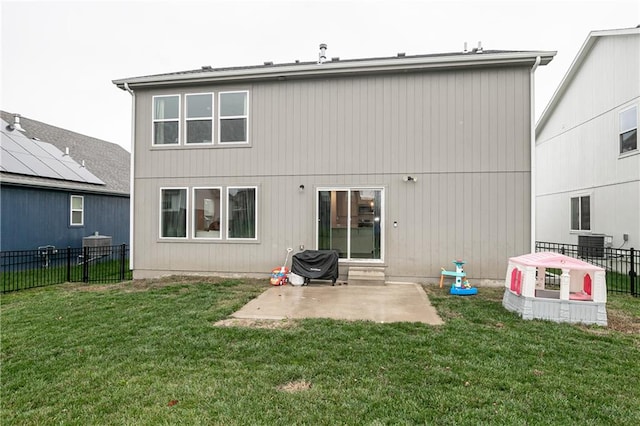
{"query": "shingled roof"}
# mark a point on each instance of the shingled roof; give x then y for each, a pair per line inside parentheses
(108, 161)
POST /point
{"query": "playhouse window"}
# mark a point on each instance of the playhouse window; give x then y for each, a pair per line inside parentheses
(629, 130)
(581, 213)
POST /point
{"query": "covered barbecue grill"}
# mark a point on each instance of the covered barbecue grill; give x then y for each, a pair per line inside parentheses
(316, 264)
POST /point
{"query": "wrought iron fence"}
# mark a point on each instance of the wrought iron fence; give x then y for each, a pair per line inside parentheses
(621, 265)
(49, 265)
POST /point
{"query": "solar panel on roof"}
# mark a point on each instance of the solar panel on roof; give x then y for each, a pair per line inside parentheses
(24, 156)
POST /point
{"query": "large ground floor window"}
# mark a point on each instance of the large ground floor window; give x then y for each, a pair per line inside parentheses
(212, 216)
(350, 222)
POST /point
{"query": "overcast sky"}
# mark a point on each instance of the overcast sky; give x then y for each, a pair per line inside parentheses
(59, 58)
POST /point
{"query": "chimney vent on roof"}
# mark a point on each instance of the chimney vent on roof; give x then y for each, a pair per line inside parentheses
(465, 48)
(83, 166)
(206, 67)
(323, 53)
(401, 55)
(335, 59)
(479, 47)
(16, 124)
(66, 151)
(268, 63)
(297, 61)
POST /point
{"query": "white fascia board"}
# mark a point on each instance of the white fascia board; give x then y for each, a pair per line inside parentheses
(338, 68)
(574, 68)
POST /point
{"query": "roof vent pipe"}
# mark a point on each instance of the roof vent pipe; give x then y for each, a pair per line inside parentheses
(465, 48)
(16, 124)
(479, 47)
(66, 151)
(323, 53)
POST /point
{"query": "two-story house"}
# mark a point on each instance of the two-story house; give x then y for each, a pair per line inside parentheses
(588, 159)
(401, 164)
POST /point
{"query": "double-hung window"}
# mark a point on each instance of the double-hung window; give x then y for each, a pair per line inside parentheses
(166, 120)
(77, 210)
(233, 110)
(628, 129)
(581, 213)
(199, 118)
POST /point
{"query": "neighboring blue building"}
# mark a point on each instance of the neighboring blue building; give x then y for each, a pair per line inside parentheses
(57, 187)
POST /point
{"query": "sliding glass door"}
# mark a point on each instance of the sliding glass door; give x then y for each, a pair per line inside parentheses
(350, 222)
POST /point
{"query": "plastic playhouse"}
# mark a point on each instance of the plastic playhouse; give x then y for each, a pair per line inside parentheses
(581, 298)
(460, 287)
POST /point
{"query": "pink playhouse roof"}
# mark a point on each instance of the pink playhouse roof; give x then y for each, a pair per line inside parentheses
(554, 260)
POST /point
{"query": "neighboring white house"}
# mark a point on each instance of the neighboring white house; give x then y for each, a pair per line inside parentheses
(587, 156)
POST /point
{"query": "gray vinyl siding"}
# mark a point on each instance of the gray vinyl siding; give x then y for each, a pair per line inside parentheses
(465, 136)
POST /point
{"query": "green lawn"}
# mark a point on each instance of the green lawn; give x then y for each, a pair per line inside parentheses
(146, 352)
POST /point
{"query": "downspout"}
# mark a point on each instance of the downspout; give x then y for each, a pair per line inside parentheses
(131, 176)
(533, 153)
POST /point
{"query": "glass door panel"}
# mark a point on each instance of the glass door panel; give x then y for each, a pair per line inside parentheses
(349, 221)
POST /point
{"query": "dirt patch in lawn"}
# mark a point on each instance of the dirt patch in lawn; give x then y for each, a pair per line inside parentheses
(297, 386)
(255, 323)
(171, 281)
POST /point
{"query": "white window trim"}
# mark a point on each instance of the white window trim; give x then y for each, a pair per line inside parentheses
(222, 221)
(187, 221)
(72, 210)
(230, 117)
(187, 119)
(382, 219)
(228, 215)
(154, 120)
(579, 196)
(621, 131)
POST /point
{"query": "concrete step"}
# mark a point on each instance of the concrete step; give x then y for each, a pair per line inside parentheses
(366, 275)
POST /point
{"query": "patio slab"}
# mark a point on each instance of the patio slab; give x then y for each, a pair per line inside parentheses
(388, 303)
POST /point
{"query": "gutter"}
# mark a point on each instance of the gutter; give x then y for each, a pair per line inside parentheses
(532, 129)
(338, 68)
(131, 175)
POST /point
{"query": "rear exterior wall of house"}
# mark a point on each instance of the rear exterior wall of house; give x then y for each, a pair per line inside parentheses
(464, 136)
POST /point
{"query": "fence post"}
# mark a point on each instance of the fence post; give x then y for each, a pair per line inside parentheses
(123, 249)
(68, 264)
(85, 264)
(632, 273)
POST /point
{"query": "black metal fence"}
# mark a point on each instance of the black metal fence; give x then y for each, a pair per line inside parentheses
(621, 265)
(49, 265)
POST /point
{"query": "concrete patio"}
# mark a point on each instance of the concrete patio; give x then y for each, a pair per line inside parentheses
(388, 303)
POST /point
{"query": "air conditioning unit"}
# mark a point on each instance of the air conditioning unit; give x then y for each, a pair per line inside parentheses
(591, 245)
(97, 245)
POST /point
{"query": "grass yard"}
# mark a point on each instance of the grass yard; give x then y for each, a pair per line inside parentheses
(163, 352)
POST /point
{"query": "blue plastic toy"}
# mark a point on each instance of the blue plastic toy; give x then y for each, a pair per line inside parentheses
(460, 287)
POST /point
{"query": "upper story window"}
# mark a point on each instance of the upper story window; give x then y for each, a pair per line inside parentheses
(77, 210)
(629, 130)
(581, 213)
(166, 120)
(199, 118)
(233, 127)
